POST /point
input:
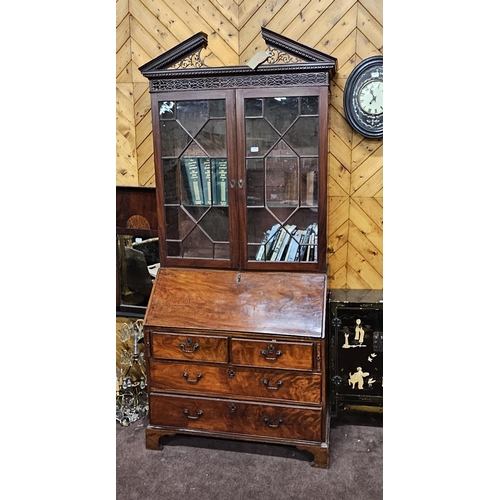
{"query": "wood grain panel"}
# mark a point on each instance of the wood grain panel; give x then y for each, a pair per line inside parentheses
(375, 8)
(359, 268)
(122, 10)
(261, 17)
(365, 247)
(123, 32)
(370, 28)
(339, 178)
(326, 20)
(363, 172)
(350, 30)
(359, 218)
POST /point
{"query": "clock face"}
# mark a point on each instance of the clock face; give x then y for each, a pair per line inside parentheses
(371, 97)
(363, 98)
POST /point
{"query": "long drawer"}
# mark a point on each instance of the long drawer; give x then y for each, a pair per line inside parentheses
(286, 385)
(238, 417)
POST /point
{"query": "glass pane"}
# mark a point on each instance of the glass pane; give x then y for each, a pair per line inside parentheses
(173, 138)
(170, 191)
(192, 115)
(282, 180)
(294, 228)
(178, 223)
(253, 107)
(281, 111)
(255, 181)
(167, 110)
(260, 137)
(217, 108)
(212, 138)
(173, 248)
(309, 105)
(216, 224)
(198, 245)
(309, 182)
(303, 136)
(195, 178)
(221, 251)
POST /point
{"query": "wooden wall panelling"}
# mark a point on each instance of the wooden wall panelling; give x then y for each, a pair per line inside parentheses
(350, 30)
(126, 171)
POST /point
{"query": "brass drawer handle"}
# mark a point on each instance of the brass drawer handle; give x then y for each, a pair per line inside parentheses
(269, 354)
(191, 380)
(192, 417)
(274, 426)
(189, 341)
(270, 387)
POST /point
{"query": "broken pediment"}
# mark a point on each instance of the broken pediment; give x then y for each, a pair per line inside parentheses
(281, 51)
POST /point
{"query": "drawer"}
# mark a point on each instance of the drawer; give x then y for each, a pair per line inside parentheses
(187, 346)
(236, 417)
(235, 381)
(293, 355)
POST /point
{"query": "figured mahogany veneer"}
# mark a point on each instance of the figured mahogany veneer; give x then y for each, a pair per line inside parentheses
(239, 355)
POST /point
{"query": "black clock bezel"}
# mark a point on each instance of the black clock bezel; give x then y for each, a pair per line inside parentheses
(356, 117)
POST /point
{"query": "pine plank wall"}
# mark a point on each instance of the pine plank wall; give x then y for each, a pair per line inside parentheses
(349, 30)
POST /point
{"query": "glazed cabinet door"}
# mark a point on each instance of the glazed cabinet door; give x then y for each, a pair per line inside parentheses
(283, 172)
(195, 162)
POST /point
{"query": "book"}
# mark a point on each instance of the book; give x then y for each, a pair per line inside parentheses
(310, 188)
(304, 244)
(205, 166)
(314, 242)
(289, 230)
(279, 242)
(262, 249)
(271, 241)
(220, 181)
(293, 246)
(192, 180)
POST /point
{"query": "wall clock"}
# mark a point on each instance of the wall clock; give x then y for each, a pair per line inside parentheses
(363, 98)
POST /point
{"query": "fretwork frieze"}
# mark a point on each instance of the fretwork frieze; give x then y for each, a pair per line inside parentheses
(281, 80)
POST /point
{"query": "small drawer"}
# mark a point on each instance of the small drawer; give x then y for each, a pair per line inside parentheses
(189, 347)
(273, 385)
(236, 417)
(292, 355)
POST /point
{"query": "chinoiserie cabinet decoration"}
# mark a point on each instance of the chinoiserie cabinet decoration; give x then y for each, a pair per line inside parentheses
(235, 327)
(356, 358)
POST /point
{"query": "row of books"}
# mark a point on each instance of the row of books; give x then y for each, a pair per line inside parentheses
(205, 180)
(289, 244)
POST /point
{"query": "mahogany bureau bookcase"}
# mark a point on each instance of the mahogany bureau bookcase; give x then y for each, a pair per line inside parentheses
(235, 325)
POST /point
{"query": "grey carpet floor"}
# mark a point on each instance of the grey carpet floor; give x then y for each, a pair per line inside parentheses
(194, 468)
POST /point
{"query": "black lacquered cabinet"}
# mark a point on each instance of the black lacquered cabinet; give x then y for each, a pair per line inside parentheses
(356, 350)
